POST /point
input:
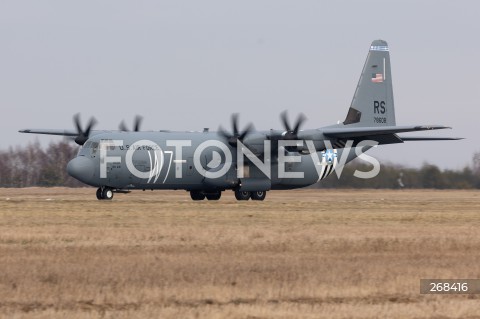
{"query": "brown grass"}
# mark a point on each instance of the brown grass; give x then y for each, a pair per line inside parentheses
(299, 254)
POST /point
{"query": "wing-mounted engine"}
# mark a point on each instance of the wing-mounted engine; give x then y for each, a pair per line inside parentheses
(236, 135)
(294, 139)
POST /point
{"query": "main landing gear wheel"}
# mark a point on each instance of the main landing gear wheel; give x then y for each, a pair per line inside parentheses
(260, 195)
(99, 194)
(104, 193)
(214, 196)
(196, 195)
(242, 195)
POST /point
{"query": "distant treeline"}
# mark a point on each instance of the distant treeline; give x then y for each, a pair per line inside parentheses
(33, 165)
(397, 176)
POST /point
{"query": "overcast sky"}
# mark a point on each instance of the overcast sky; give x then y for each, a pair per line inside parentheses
(186, 65)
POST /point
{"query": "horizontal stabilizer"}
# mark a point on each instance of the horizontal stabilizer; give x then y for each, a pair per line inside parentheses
(354, 132)
(412, 138)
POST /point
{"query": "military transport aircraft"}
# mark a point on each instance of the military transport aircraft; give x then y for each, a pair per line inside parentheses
(247, 161)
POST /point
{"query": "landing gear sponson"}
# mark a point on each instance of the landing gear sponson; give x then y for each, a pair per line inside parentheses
(239, 195)
(106, 193)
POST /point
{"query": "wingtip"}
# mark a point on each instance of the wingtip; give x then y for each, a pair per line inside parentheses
(432, 127)
(454, 138)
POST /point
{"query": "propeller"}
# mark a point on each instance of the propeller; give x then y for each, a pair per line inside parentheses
(83, 135)
(237, 135)
(291, 133)
(136, 124)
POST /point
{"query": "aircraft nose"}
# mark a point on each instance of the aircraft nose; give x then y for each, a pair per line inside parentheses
(81, 168)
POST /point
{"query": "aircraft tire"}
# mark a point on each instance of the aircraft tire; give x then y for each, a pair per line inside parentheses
(107, 193)
(214, 196)
(242, 195)
(99, 194)
(196, 195)
(260, 195)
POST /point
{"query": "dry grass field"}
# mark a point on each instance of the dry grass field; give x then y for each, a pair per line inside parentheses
(298, 254)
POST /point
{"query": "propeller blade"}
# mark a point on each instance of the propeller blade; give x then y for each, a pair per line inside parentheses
(246, 131)
(223, 133)
(300, 120)
(83, 135)
(91, 124)
(284, 118)
(235, 124)
(123, 127)
(137, 123)
(76, 121)
(232, 138)
(291, 133)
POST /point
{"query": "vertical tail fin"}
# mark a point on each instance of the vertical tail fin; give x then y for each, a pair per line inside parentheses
(372, 103)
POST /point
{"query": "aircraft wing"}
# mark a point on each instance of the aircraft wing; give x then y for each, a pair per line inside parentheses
(81, 135)
(71, 133)
(356, 132)
(51, 132)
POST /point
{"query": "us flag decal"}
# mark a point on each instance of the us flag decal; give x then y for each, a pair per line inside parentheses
(377, 78)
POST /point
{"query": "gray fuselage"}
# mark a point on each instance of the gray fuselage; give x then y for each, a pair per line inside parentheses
(196, 161)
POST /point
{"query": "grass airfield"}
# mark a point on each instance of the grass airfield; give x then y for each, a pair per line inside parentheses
(298, 254)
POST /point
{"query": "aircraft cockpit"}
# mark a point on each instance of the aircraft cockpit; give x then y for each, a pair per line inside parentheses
(90, 148)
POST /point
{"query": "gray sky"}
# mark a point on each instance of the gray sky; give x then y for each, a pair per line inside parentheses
(186, 65)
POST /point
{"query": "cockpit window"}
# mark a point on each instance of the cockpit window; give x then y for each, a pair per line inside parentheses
(108, 144)
(94, 146)
(83, 150)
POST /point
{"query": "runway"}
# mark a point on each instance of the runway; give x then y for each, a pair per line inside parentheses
(298, 254)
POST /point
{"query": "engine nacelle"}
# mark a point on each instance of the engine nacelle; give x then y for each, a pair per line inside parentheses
(303, 148)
